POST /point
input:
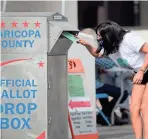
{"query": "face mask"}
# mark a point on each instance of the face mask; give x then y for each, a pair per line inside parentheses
(101, 43)
(100, 47)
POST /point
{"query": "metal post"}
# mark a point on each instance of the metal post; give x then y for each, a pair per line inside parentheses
(136, 13)
(63, 7)
(4, 5)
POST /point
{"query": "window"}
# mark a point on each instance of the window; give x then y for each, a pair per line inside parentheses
(125, 13)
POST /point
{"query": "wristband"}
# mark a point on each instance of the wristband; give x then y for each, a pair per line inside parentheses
(142, 70)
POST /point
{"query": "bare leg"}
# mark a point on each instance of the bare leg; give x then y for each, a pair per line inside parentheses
(136, 100)
(98, 104)
(144, 109)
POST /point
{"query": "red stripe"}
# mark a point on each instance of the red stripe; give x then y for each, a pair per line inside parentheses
(12, 61)
(41, 136)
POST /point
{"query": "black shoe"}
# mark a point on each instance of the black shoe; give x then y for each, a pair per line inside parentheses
(100, 120)
(121, 121)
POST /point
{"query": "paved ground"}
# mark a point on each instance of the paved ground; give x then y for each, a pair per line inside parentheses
(116, 132)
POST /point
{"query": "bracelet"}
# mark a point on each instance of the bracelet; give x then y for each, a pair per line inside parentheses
(142, 70)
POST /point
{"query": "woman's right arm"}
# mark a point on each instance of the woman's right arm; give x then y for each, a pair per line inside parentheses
(90, 48)
(93, 51)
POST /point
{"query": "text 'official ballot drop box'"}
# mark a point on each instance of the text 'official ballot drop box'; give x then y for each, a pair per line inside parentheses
(34, 76)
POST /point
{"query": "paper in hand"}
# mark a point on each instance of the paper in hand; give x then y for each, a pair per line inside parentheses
(70, 36)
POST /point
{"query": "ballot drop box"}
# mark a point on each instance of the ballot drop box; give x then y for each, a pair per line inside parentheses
(33, 79)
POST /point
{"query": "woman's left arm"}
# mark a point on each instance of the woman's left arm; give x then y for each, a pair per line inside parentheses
(144, 49)
(139, 75)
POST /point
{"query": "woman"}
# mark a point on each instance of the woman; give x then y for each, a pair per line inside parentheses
(129, 51)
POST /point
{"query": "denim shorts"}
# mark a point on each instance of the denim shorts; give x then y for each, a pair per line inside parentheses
(145, 78)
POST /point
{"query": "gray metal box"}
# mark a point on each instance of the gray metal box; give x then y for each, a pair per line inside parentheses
(34, 76)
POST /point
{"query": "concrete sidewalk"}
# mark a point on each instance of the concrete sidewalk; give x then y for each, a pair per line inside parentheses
(116, 132)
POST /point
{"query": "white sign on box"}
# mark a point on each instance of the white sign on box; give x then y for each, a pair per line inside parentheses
(81, 114)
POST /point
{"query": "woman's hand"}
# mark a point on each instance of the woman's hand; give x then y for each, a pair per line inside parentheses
(138, 77)
(82, 41)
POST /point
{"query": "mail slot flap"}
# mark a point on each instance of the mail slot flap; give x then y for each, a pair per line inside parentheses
(59, 44)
